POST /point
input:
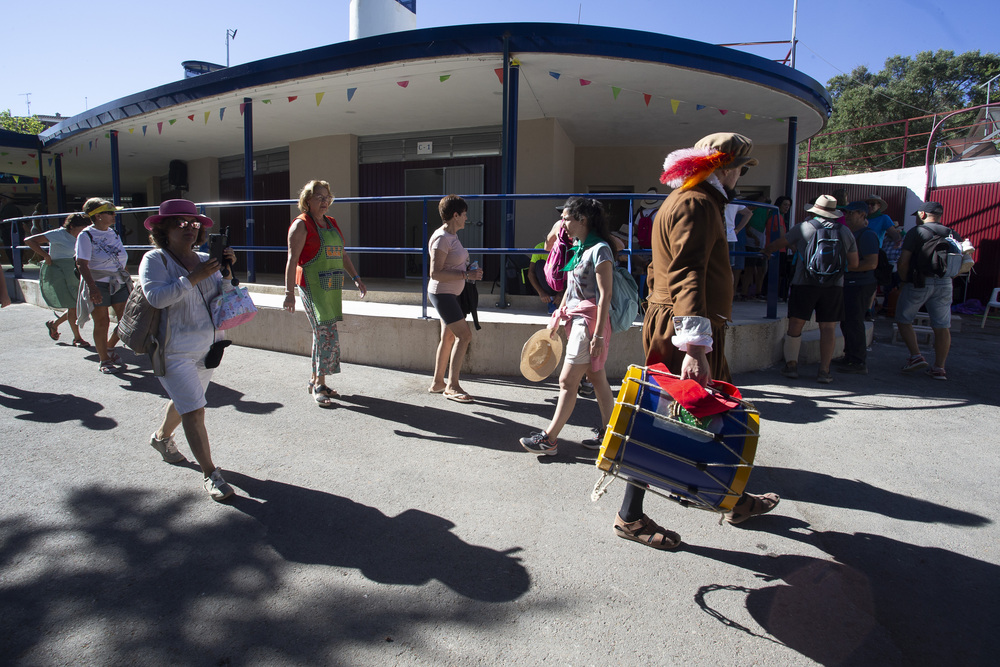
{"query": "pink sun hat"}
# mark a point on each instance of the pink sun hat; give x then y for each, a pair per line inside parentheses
(178, 207)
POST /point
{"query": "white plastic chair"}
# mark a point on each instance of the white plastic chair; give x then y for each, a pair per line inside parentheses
(993, 303)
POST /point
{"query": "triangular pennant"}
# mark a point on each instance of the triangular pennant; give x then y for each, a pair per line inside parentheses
(159, 128)
(265, 101)
(17, 179)
(191, 118)
(674, 104)
(243, 107)
(555, 75)
(780, 120)
(647, 98)
(207, 114)
(319, 98)
(615, 90)
(171, 121)
(90, 146)
(143, 130)
(747, 116)
(222, 112)
(33, 155)
(292, 98)
(584, 82)
(444, 77)
(350, 93)
(131, 130)
(723, 111)
(402, 84)
(499, 72)
(699, 107)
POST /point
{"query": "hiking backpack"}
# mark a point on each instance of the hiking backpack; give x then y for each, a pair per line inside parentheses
(624, 299)
(940, 257)
(826, 258)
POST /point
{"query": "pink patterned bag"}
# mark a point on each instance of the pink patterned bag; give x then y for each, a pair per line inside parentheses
(233, 307)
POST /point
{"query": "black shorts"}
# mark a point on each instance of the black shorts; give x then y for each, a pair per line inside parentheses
(828, 302)
(447, 306)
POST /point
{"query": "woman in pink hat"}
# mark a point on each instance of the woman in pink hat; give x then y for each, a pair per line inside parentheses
(182, 283)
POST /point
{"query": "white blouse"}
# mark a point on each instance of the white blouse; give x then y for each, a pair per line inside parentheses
(185, 318)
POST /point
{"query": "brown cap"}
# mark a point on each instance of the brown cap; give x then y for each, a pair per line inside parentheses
(736, 145)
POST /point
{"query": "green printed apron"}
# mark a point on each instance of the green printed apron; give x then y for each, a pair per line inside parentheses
(323, 276)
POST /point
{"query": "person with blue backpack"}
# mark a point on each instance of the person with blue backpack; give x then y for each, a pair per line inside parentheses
(828, 250)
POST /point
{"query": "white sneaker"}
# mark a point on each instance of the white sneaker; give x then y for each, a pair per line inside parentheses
(217, 487)
(167, 449)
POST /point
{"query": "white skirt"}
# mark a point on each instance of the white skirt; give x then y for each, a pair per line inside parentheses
(186, 381)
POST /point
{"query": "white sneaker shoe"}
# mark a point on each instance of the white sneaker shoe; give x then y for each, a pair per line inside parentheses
(217, 487)
(167, 449)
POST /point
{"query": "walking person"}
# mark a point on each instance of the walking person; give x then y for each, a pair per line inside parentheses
(105, 281)
(585, 309)
(449, 269)
(57, 279)
(317, 265)
(182, 283)
(859, 287)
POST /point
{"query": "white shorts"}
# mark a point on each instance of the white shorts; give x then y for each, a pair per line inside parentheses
(578, 342)
(185, 382)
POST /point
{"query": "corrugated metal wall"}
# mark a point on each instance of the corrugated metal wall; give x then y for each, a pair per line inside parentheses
(894, 196)
(973, 211)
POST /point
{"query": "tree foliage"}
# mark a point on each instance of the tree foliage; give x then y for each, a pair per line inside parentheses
(928, 83)
(20, 124)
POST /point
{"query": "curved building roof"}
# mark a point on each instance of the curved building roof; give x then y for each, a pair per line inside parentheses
(606, 86)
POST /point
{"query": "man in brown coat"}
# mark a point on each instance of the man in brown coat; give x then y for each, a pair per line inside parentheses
(691, 296)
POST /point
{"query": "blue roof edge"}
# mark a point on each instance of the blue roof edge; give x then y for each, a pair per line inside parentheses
(481, 38)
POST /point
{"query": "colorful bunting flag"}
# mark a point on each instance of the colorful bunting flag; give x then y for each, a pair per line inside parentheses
(293, 98)
(402, 84)
(647, 97)
(584, 82)
(171, 121)
(222, 112)
(747, 116)
(723, 111)
(266, 101)
(674, 104)
(499, 72)
(350, 93)
(191, 118)
(555, 75)
(143, 130)
(131, 130)
(444, 77)
(699, 107)
(615, 90)
(243, 107)
(159, 128)
(207, 114)
(319, 98)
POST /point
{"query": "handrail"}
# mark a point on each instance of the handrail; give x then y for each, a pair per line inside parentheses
(629, 251)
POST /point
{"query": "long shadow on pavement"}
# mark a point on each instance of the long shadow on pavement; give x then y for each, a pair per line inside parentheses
(412, 548)
(879, 602)
(52, 408)
(131, 574)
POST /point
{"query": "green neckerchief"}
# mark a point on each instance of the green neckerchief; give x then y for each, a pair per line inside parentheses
(577, 250)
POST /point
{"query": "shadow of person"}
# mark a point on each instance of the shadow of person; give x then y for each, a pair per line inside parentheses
(879, 602)
(411, 548)
(51, 408)
(219, 395)
(822, 489)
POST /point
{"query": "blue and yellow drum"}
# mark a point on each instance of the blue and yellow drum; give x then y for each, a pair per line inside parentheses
(650, 439)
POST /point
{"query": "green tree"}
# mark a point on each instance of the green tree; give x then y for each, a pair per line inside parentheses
(20, 124)
(906, 88)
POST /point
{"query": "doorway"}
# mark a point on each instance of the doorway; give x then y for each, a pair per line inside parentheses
(439, 181)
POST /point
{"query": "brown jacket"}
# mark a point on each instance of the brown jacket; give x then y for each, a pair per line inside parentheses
(690, 270)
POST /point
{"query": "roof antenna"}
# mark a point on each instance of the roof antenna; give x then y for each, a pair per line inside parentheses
(230, 32)
(27, 100)
(579, 14)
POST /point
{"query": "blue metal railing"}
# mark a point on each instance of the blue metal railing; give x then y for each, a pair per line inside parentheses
(426, 200)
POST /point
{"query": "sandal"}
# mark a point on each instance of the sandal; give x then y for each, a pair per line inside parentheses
(323, 390)
(645, 531)
(53, 329)
(458, 397)
(110, 368)
(115, 358)
(79, 342)
(751, 506)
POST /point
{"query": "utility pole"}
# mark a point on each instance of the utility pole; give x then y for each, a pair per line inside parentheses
(795, 18)
(229, 33)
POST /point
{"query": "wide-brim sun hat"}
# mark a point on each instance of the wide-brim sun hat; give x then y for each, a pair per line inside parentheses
(540, 355)
(94, 206)
(173, 208)
(826, 207)
(883, 205)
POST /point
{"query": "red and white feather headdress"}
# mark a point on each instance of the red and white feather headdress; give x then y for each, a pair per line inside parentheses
(687, 167)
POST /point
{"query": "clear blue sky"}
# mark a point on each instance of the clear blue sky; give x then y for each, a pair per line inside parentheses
(71, 55)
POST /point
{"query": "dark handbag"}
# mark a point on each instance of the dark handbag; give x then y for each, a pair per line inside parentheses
(139, 324)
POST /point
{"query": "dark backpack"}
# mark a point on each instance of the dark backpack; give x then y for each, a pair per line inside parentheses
(826, 257)
(940, 257)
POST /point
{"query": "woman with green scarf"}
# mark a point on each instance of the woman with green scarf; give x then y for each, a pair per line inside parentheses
(585, 308)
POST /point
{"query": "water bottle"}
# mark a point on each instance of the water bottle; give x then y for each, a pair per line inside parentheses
(473, 267)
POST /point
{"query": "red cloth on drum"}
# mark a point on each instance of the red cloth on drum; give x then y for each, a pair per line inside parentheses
(692, 396)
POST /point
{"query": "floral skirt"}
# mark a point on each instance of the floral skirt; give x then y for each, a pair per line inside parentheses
(326, 342)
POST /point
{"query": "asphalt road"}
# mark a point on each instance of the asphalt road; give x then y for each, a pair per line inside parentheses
(401, 528)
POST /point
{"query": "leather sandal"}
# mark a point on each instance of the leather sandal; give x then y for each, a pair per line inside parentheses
(53, 329)
(323, 390)
(79, 342)
(751, 506)
(645, 531)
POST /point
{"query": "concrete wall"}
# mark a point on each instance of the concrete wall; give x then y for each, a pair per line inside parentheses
(545, 164)
(333, 159)
(203, 183)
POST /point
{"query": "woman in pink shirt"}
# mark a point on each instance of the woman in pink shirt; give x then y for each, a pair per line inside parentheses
(449, 271)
